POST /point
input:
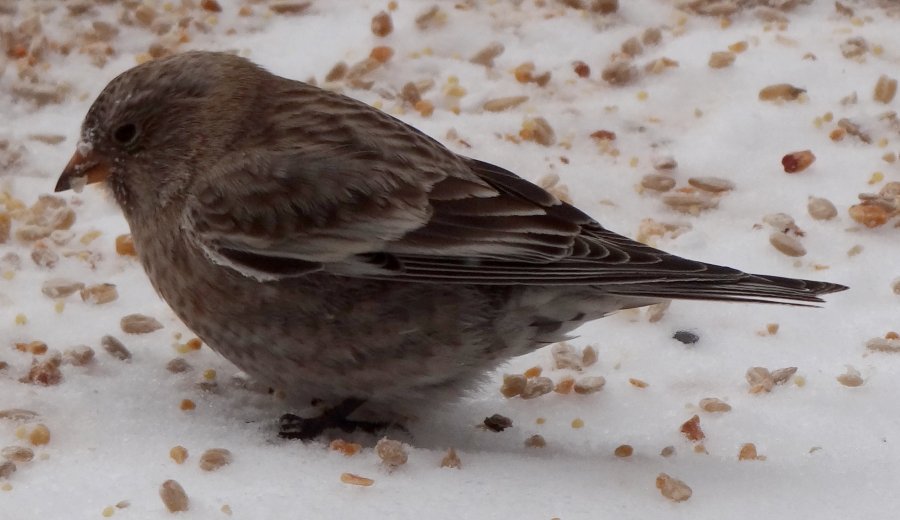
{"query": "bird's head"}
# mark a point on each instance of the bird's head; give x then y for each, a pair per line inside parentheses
(158, 124)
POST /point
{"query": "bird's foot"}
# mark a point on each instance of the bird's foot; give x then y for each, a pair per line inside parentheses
(295, 427)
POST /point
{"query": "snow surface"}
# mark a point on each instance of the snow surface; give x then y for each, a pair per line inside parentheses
(113, 423)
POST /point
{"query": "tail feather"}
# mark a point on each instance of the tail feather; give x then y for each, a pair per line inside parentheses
(754, 288)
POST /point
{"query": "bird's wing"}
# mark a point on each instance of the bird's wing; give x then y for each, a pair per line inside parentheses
(364, 216)
(393, 204)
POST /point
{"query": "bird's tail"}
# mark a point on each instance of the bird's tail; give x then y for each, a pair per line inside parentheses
(756, 288)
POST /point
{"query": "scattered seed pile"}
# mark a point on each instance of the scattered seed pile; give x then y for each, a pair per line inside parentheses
(759, 133)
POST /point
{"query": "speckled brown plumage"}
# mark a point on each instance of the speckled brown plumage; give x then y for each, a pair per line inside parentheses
(337, 253)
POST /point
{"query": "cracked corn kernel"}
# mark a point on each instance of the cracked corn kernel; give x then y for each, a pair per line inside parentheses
(869, 215)
(348, 449)
(451, 460)
(748, 452)
(513, 385)
(623, 451)
(382, 54)
(39, 435)
(179, 454)
(533, 372)
(125, 245)
(691, 429)
(425, 108)
(565, 385)
(577, 423)
(780, 92)
(34, 347)
(382, 25)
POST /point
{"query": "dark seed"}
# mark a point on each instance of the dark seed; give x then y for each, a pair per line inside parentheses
(686, 337)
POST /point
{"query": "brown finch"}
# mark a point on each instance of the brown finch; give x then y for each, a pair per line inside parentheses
(337, 253)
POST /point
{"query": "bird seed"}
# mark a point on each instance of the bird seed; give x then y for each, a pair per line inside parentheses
(215, 458)
(382, 24)
(821, 209)
(787, 244)
(17, 454)
(623, 451)
(179, 454)
(589, 385)
(451, 460)
(504, 103)
(348, 449)
(672, 488)
(497, 422)
(39, 435)
(711, 184)
(99, 294)
(356, 480)
(115, 348)
(721, 60)
(173, 496)
(486, 55)
(691, 429)
(851, 377)
(748, 452)
(392, 453)
(535, 441)
(714, 405)
(780, 92)
(885, 90)
(139, 324)
(537, 387)
(796, 162)
(7, 469)
(657, 182)
(513, 385)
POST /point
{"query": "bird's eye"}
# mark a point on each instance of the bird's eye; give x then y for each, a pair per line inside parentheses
(125, 134)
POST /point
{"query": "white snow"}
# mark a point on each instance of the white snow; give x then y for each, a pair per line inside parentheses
(113, 423)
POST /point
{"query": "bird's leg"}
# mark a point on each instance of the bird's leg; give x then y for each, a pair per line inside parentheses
(295, 427)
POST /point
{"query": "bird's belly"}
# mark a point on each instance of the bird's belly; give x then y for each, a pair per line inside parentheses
(328, 338)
